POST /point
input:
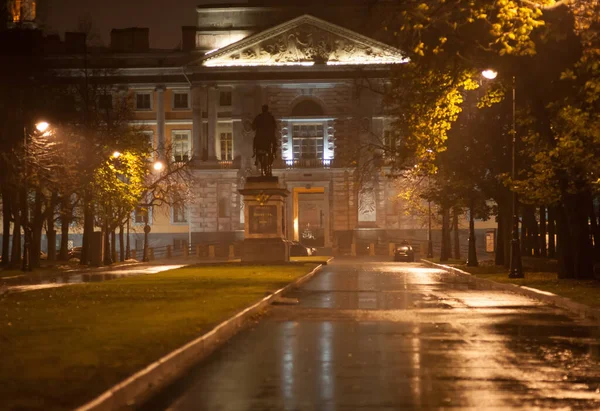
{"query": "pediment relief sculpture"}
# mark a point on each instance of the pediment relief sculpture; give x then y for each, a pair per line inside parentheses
(308, 44)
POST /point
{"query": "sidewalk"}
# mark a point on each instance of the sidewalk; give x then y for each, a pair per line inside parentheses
(578, 296)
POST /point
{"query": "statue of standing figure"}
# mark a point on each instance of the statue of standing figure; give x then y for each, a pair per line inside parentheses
(265, 142)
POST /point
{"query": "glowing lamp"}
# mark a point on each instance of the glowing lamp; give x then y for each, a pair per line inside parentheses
(489, 74)
(42, 126)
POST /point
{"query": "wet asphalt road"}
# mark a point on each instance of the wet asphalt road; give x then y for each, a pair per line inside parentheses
(389, 336)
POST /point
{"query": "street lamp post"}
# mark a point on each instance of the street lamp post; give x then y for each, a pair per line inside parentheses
(429, 239)
(516, 266)
(42, 127)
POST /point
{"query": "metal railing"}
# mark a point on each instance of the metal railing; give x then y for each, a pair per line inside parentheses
(203, 250)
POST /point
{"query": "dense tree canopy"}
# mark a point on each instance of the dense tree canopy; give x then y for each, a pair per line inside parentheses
(551, 50)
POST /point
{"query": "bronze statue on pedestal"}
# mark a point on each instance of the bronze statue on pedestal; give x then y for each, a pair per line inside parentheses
(265, 142)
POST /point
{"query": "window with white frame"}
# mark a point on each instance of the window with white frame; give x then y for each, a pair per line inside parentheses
(308, 141)
(181, 145)
(181, 100)
(226, 142)
(141, 214)
(179, 213)
(143, 100)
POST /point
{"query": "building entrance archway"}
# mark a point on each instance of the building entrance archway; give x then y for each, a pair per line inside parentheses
(310, 211)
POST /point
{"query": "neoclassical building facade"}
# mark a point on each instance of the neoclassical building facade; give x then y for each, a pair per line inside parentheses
(304, 62)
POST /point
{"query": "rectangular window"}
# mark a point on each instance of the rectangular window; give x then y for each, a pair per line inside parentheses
(181, 145)
(181, 100)
(143, 100)
(308, 141)
(389, 143)
(179, 213)
(226, 140)
(225, 98)
(141, 214)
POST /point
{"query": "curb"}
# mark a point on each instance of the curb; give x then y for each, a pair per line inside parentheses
(582, 310)
(140, 386)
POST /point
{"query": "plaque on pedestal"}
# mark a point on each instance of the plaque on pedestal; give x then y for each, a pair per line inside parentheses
(265, 216)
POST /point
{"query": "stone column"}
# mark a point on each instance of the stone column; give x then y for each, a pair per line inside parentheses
(213, 101)
(160, 121)
(238, 140)
(237, 126)
(197, 129)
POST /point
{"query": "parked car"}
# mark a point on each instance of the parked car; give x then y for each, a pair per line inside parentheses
(405, 253)
(75, 252)
(299, 250)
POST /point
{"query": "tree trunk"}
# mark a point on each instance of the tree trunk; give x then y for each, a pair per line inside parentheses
(500, 256)
(65, 221)
(113, 246)
(595, 229)
(128, 246)
(445, 248)
(542, 242)
(107, 251)
(552, 232)
(146, 257)
(525, 249)
(26, 223)
(472, 261)
(88, 229)
(15, 257)
(577, 213)
(50, 231)
(121, 244)
(455, 213)
(534, 236)
(6, 217)
(37, 225)
(563, 249)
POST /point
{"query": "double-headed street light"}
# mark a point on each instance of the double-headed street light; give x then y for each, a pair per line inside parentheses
(516, 266)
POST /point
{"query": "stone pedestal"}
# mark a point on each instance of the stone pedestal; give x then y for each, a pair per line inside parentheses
(265, 217)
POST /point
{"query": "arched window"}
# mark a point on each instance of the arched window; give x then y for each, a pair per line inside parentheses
(307, 108)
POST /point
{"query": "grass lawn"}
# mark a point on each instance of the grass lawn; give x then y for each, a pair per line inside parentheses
(62, 347)
(581, 291)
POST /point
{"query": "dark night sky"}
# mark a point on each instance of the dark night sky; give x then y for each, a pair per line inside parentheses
(163, 17)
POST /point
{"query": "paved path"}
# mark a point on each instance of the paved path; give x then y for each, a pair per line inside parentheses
(389, 336)
(63, 279)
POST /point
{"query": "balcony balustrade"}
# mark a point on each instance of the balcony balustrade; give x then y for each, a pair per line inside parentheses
(297, 163)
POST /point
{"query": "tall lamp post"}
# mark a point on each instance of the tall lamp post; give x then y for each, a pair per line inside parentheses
(516, 265)
(158, 167)
(41, 127)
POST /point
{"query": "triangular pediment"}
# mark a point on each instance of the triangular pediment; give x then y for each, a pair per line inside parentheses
(305, 40)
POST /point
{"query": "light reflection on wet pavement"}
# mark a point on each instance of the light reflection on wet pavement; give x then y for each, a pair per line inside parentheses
(389, 336)
(69, 279)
